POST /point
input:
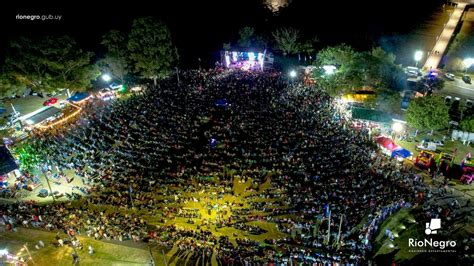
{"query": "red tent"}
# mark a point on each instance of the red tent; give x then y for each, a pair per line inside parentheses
(387, 143)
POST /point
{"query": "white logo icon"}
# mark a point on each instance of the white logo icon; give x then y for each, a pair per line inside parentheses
(432, 226)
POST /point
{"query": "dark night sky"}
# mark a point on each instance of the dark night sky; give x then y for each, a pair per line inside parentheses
(200, 27)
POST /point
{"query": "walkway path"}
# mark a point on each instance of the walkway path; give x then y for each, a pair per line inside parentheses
(443, 40)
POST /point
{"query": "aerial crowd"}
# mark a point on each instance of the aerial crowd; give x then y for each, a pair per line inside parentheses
(159, 149)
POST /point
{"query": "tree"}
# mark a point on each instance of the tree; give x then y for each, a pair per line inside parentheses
(69, 66)
(287, 40)
(467, 124)
(26, 64)
(342, 56)
(461, 48)
(48, 64)
(383, 56)
(375, 69)
(307, 47)
(150, 47)
(247, 35)
(116, 58)
(249, 39)
(391, 75)
(10, 85)
(226, 46)
(27, 155)
(428, 112)
(389, 101)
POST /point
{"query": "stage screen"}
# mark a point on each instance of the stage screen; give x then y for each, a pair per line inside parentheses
(243, 60)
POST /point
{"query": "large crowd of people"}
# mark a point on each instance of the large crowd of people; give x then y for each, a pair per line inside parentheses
(142, 152)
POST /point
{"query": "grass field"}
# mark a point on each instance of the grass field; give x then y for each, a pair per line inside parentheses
(448, 147)
(104, 253)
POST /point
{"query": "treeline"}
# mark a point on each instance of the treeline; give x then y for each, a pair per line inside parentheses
(58, 62)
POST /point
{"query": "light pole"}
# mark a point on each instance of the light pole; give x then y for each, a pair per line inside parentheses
(177, 74)
(293, 75)
(106, 77)
(47, 181)
(468, 63)
(418, 56)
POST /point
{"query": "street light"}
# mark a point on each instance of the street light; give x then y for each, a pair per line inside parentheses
(106, 77)
(293, 74)
(397, 127)
(468, 62)
(418, 56)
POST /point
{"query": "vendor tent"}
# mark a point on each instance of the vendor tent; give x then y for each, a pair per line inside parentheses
(401, 153)
(221, 103)
(40, 115)
(78, 96)
(7, 163)
(387, 143)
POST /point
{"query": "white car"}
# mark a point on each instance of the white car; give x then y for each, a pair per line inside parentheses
(115, 86)
(449, 76)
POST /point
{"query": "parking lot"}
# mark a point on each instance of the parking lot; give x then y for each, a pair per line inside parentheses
(28, 104)
(458, 88)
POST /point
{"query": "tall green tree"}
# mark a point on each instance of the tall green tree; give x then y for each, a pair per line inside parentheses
(150, 47)
(342, 56)
(26, 63)
(287, 40)
(226, 46)
(460, 48)
(428, 112)
(348, 75)
(391, 75)
(10, 85)
(246, 36)
(249, 39)
(49, 64)
(467, 124)
(389, 101)
(382, 55)
(68, 64)
(355, 69)
(116, 60)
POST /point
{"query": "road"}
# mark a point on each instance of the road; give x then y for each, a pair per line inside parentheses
(458, 88)
(28, 104)
(443, 40)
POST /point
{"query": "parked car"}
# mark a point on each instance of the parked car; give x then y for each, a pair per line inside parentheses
(448, 100)
(469, 110)
(449, 76)
(50, 101)
(469, 103)
(115, 86)
(43, 193)
(62, 104)
(466, 79)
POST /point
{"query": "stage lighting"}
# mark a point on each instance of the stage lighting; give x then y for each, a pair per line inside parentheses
(227, 60)
(251, 56)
